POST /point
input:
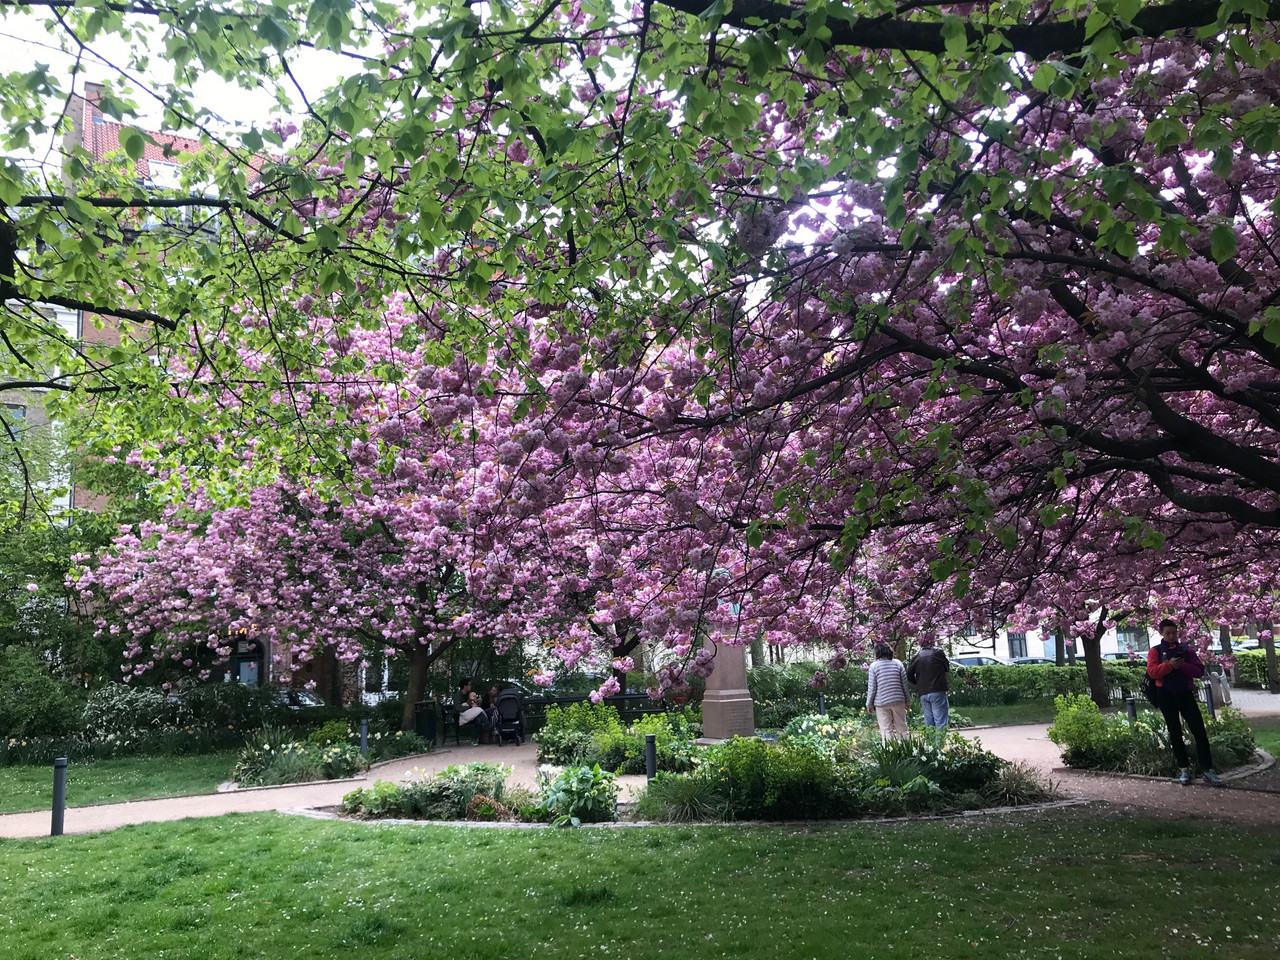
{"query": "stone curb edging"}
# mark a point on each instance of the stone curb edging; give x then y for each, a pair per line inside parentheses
(326, 813)
(231, 786)
(1262, 761)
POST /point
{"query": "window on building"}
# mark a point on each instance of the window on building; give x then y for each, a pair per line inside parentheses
(15, 418)
(1132, 640)
(1017, 643)
(375, 678)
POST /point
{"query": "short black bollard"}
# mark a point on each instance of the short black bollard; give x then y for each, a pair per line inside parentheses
(650, 755)
(59, 796)
(1131, 708)
(364, 735)
(822, 705)
(1208, 699)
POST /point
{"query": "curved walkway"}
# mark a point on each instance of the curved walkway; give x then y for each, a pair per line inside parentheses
(1026, 743)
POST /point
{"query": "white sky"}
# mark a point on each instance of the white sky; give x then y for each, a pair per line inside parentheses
(24, 42)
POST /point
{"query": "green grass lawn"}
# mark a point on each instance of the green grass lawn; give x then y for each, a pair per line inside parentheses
(112, 781)
(1067, 884)
(1023, 711)
(1266, 731)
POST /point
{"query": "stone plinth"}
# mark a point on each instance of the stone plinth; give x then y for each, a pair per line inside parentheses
(727, 708)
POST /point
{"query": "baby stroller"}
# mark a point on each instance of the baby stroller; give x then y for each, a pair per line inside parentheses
(509, 720)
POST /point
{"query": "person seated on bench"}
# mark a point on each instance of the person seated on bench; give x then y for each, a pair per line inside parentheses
(470, 711)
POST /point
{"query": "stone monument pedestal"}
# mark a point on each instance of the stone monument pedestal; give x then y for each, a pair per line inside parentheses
(727, 708)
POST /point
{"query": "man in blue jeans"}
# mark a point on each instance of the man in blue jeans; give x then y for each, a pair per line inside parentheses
(927, 672)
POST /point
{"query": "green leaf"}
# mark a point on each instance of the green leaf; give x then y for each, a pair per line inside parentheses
(1222, 242)
(1043, 78)
(134, 142)
(955, 36)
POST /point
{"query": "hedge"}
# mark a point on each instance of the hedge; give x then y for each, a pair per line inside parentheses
(1251, 667)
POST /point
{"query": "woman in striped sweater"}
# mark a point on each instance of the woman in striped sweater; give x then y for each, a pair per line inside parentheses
(887, 693)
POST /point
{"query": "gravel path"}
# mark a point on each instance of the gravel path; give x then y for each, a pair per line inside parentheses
(1252, 800)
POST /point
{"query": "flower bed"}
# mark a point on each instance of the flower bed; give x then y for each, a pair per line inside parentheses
(1091, 740)
(822, 774)
(478, 791)
(272, 756)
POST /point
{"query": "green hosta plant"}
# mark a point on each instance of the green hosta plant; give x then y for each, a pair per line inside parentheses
(583, 794)
(383, 799)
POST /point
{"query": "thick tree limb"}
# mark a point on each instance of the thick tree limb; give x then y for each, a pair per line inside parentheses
(1035, 40)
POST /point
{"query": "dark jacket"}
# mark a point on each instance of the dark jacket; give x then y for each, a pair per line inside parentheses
(1181, 679)
(928, 671)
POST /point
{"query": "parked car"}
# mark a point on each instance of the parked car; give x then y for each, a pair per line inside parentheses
(1033, 660)
(1139, 656)
(979, 660)
(293, 699)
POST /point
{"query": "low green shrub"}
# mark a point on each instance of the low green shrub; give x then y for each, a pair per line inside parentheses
(1088, 739)
(624, 751)
(1091, 740)
(584, 734)
(335, 731)
(237, 706)
(564, 747)
(584, 716)
(760, 781)
(582, 795)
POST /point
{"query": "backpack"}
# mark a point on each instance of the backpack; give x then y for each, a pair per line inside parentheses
(1149, 690)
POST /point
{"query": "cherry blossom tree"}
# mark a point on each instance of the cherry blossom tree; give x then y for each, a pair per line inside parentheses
(888, 316)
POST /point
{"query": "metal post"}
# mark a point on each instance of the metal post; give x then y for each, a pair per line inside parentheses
(59, 796)
(650, 755)
(1208, 698)
(1131, 708)
(822, 705)
(364, 735)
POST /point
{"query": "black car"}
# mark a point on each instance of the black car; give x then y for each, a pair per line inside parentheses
(1033, 660)
(293, 699)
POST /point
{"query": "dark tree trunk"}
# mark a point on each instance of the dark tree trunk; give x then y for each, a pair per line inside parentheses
(420, 659)
(1269, 648)
(1059, 648)
(1099, 691)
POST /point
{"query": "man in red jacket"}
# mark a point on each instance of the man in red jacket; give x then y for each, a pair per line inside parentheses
(1175, 668)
